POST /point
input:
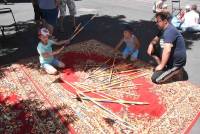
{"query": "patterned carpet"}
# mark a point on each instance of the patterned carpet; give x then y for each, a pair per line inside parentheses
(32, 101)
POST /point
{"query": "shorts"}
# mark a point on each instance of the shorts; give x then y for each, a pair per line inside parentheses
(71, 6)
(50, 67)
(130, 52)
(164, 75)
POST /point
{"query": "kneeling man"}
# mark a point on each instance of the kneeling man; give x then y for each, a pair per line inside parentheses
(168, 49)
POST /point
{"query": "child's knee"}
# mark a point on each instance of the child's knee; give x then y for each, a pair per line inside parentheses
(61, 64)
(124, 55)
(52, 71)
(133, 57)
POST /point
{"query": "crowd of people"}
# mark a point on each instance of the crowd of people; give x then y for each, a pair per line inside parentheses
(167, 48)
(187, 20)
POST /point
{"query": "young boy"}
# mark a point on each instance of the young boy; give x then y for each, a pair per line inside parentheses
(132, 44)
(44, 48)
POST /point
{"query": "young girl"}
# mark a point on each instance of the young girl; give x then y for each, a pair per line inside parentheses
(47, 59)
(132, 44)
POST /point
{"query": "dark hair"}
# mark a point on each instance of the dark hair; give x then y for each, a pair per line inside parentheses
(163, 15)
(194, 7)
(128, 28)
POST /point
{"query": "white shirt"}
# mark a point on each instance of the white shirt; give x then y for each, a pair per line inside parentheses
(158, 6)
(191, 19)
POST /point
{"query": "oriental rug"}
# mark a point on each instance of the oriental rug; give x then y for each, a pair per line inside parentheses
(97, 92)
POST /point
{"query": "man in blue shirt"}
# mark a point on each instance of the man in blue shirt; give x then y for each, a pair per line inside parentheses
(170, 54)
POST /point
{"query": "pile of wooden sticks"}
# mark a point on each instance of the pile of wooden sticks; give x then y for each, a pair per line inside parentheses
(111, 78)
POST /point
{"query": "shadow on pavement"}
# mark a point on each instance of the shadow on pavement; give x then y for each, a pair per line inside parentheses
(10, 2)
(106, 29)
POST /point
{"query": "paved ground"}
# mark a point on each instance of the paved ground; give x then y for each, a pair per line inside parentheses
(113, 14)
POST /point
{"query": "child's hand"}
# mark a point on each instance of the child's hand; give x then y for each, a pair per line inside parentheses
(115, 50)
(59, 50)
(66, 41)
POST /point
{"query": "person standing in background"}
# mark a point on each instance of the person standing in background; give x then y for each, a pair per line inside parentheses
(72, 11)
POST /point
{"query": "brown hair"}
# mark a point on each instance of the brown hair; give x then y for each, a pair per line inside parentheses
(163, 15)
(194, 7)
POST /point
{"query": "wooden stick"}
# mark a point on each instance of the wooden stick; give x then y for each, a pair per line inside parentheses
(118, 101)
(78, 31)
(100, 66)
(74, 35)
(96, 90)
(100, 71)
(89, 65)
(91, 75)
(119, 82)
(120, 87)
(113, 65)
(103, 74)
(104, 95)
(106, 86)
(112, 114)
(117, 79)
(120, 120)
(77, 91)
(77, 28)
(127, 71)
(113, 97)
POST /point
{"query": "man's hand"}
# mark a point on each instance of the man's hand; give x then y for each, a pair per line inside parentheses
(150, 49)
(115, 50)
(159, 67)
